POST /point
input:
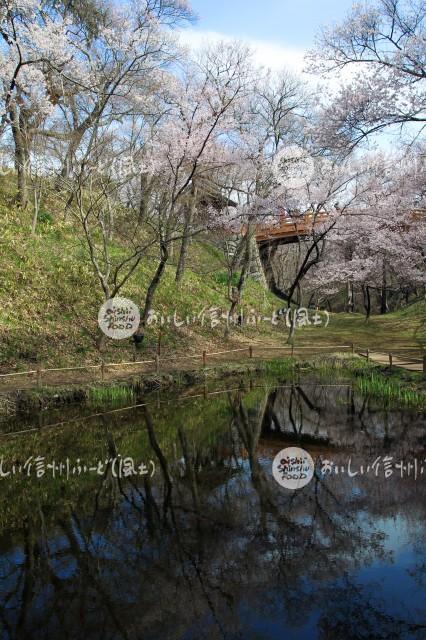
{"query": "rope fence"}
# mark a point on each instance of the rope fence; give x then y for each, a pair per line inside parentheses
(394, 359)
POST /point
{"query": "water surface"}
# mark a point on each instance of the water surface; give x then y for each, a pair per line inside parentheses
(201, 541)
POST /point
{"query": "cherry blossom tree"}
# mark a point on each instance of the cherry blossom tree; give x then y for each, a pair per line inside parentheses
(33, 42)
(181, 144)
(191, 146)
(68, 76)
(382, 45)
(271, 119)
(380, 246)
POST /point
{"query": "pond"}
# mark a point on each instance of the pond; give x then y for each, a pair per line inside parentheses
(163, 520)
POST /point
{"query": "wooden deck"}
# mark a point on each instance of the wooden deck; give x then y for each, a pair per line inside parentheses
(290, 229)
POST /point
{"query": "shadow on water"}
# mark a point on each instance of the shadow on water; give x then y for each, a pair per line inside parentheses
(196, 539)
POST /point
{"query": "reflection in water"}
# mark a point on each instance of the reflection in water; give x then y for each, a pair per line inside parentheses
(212, 546)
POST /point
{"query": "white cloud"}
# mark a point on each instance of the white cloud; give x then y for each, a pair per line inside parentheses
(271, 55)
(268, 54)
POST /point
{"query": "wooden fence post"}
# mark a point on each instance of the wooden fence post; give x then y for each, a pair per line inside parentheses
(368, 355)
(102, 370)
(390, 361)
(157, 363)
(424, 366)
(250, 352)
(353, 348)
(204, 358)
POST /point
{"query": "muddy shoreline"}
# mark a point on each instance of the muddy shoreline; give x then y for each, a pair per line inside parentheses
(35, 399)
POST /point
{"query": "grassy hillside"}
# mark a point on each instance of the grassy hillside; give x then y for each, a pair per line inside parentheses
(50, 297)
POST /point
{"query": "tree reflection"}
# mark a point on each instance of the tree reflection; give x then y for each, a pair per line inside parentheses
(212, 546)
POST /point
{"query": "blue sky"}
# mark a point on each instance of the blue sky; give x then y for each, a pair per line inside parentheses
(291, 23)
(279, 31)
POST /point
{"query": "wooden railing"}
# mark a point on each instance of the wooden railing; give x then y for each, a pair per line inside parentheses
(290, 227)
(161, 363)
(165, 362)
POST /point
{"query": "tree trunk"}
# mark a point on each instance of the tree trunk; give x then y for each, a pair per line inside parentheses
(36, 210)
(164, 256)
(311, 300)
(367, 301)
(67, 165)
(189, 216)
(21, 155)
(101, 341)
(350, 297)
(236, 291)
(144, 198)
(384, 292)
(78, 135)
(257, 265)
(292, 331)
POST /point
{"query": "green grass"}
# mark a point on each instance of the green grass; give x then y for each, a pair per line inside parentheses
(327, 365)
(115, 395)
(389, 332)
(280, 367)
(391, 392)
(396, 387)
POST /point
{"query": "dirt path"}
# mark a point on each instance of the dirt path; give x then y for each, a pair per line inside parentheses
(169, 362)
(173, 362)
(407, 361)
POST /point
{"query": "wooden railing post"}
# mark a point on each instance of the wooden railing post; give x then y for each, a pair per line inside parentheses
(390, 361)
(250, 352)
(353, 348)
(204, 358)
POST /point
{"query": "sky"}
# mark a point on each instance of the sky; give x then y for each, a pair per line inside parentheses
(280, 31)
